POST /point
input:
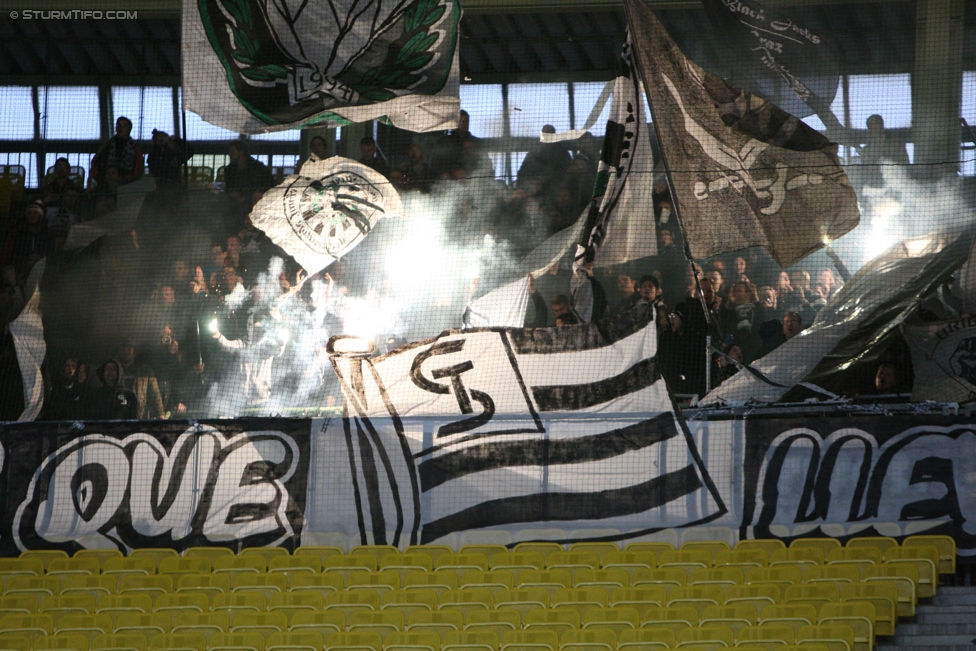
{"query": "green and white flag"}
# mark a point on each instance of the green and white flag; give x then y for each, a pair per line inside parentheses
(254, 66)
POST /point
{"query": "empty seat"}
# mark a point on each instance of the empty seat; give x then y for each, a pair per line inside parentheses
(825, 545)
(320, 552)
(881, 543)
(797, 556)
(14, 642)
(264, 623)
(91, 626)
(722, 576)
(551, 580)
(470, 641)
(523, 599)
(817, 593)
(859, 615)
(573, 562)
(350, 602)
(115, 604)
(617, 619)
(155, 553)
(100, 555)
(39, 587)
(383, 622)
(434, 551)
(210, 553)
(836, 637)
(289, 565)
(770, 636)
(237, 642)
(66, 642)
(376, 551)
(837, 573)
(404, 564)
(646, 639)
(581, 598)
(713, 547)
(376, 581)
(185, 565)
(148, 625)
(905, 577)
(174, 603)
(781, 576)
(609, 579)
(265, 552)
(235, 565)
(542, 548)
(667, 578)
(438, 581)
(796, 616)
(859, 557)
(640, 598)
(323, 584)
(466, 600)
(489, 550)
(30, 626)
(266, 584)
(552, 619)
(735, 617)
(498, 621)
(18, 605)
(94, 586)
(944, 545)
(517, 562)
(185, 641)
(757, 595)
(689, 561)
(207, 624)
(530, 640)
(436, 621)
(355, 641)
(698, 597)
(292, 602)
(706, 636)
(591, 639)
(493, 580)
(926, 558)
(120, 642)
(61, 605)
(742, 558)
(346, 565)
(153, 585)
(409, 601)
(461, 563)
(883, 595)
(134, 565)
(45, 556)
(324, 622)
(629, 562)
(11, 567)
(768, 545)
(207, 584)
(673, 618)
(64, 567)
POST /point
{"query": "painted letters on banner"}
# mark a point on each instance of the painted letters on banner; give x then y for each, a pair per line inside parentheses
(253, 66)
(162, 484)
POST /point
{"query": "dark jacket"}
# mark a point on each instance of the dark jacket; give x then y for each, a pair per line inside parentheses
(113, 402)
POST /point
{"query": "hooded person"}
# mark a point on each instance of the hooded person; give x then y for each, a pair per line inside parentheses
(112, 401)
(265, 340)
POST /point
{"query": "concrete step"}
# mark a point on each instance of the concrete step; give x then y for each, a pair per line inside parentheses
(931, 647)
(928, 609)
(951, 628)
(965, 616)
(954, 599)
(932, 640)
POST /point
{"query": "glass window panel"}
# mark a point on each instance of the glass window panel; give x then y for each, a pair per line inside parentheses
(498, 162)
(969, 97)
(532, 106)
(149, 108)
(198, 129)
(483, 102)
(28, 160)
(18, 113)
(887, 95)
(292, 135)
(518, 157)
(585, 96)
(69, 113)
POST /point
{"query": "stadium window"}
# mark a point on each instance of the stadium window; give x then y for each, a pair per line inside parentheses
(18, 109)
(483, 102)
(69, 113)
(197, 129)
(291, 135)
(148, 107)
(967, 152)
(532, 106)
(585, 96)
(517, 158)
(498, 163)
(837, 108)
(887, 95)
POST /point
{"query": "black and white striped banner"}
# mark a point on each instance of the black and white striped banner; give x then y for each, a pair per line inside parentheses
(514, 429)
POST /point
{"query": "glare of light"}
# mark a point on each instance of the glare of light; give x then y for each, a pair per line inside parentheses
(881, 237)
(473, 270)
(284, 335)
(213, 326)
(354, 345)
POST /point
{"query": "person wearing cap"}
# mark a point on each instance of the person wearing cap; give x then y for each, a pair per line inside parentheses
(28, 242)
(371, 156)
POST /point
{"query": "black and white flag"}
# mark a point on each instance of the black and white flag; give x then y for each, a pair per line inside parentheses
(518, 428)
(743, 171)
(254, 66)
(943, 360)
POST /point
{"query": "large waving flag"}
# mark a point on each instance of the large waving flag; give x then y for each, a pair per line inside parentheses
(254, 66)
(743, 171)
(485, 428)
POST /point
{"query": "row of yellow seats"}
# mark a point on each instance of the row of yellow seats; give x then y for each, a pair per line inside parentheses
(838, 637)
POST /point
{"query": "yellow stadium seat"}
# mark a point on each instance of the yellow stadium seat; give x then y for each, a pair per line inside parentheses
(412, 641)
(674, 618)
(573, 562)
(65, 642)
(100, 555)
(488, 550)
(351, 602)
(264, 623)
(435, 621)
(816, 593)
(529, 640)
(325, 623)
(742, 558)
(859, 615)
(689, 561)
(466, 600)
(836, 573)
(808, 645)
(376, 551)
(470, 641)
(265, 552)
(383, 622)
(237, 642)
(667, 578)
(290, 565)
(735, 617)
(207, 624)
(713, 547)
(232, 602)
(177, 603)
(11, 567)
(375, 581)
(803, 556)
(581, 598)
(124, 642)
(93, 586)
(59, 606)
(881, 543)
(646, 639)
(149, 585)
(905, 576)
(640, 598)
(517, 562)
(31, 626)
(707, 637)
(39, 587)
(552, 619)
(769, 636)
(616, 619)
(91, 626)
(185, 565)
(208, 584)
(722, 576)
(65, 567)
(404, 564)
(836, 637)
(944, 545)
(495, 580)
(498, 621)
(210, 553)
(155, 553)
(436, 581)
(292, 602)
(768, 545)
(409, 601)
(698, 597)
(926, 558)
(859, 557)
(179, 642)
(656, 548)
(129, 566)
(302, 641)
(883, 595)
(543, 548)
(319, 551)
(461, 563)
(550, 580)
(22, 605)
(523, 599)
(233, 566)
(44, 555)
(146, 625)
(14, 642)
(346, 565)
(825, 545)
(601, 549)
(434, 551)
(591, 639)
(359, 641)
(796, 616)
(629, 562)
(323, 584)
(757, 595)
(115, 604)
(609, 580)
(266, 584)
(781, 576)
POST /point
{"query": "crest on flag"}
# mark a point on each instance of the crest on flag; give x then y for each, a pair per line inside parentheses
(327, 209)
(944, 360)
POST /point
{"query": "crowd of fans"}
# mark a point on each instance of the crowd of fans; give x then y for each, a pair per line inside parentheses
(145, 323)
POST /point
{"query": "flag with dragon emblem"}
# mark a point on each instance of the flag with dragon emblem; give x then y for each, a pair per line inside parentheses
(254, 66)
